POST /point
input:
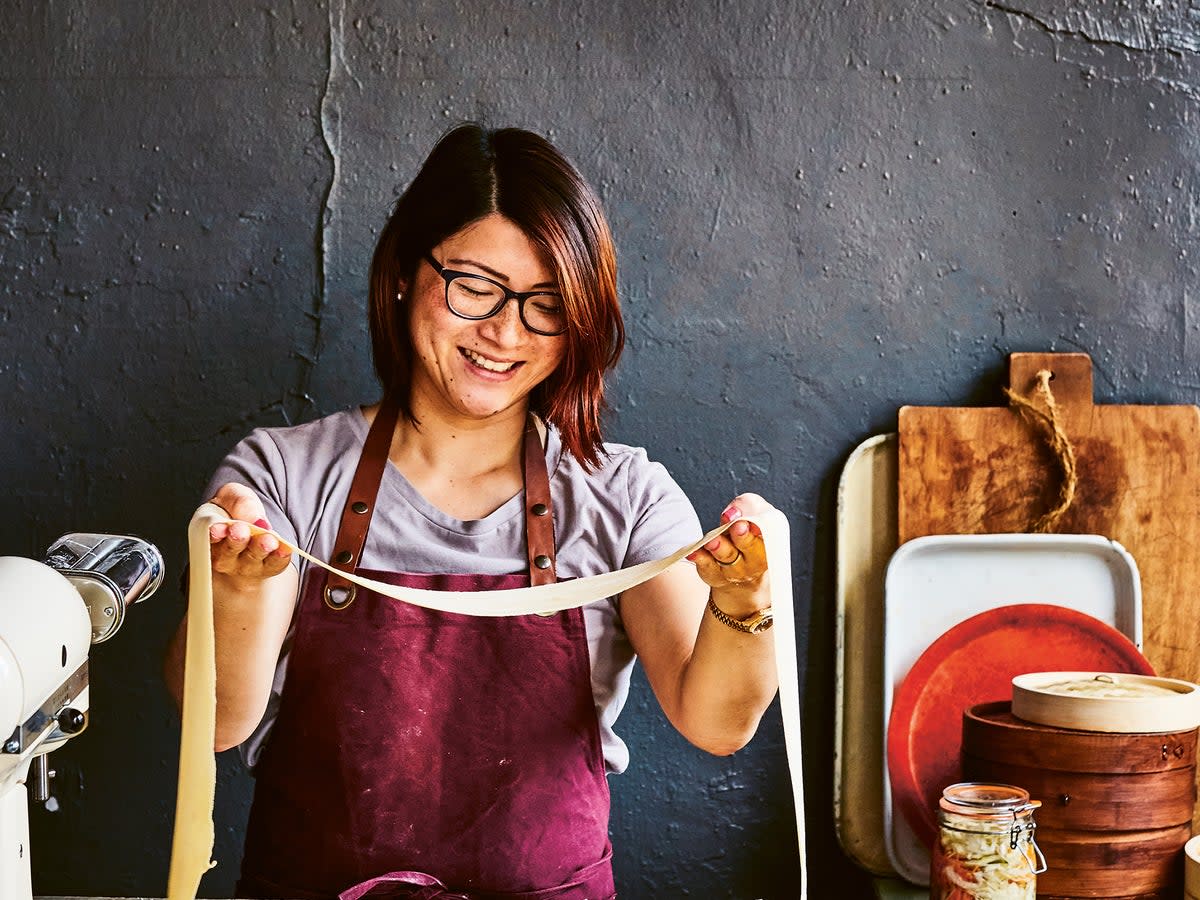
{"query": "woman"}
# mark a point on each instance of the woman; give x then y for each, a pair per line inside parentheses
(459, 751)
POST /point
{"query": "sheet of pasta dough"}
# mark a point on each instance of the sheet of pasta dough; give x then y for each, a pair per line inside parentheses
(193, 838)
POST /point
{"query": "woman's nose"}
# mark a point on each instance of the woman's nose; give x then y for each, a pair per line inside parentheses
(505, 327)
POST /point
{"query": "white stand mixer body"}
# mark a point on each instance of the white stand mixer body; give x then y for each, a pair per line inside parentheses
(45, 633)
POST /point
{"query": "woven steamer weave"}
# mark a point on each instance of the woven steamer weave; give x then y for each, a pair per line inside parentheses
(194, 831)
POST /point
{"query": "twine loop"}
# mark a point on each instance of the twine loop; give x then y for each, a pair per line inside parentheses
(1048, 423)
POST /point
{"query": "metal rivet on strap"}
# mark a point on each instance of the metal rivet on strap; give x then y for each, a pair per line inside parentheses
(344, 557)
(542, 561)
(359, 507)
(539, 509)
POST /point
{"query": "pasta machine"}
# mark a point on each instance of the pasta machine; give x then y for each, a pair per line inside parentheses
(51, 612)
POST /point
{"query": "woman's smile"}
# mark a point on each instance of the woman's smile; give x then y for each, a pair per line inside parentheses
(488, 364)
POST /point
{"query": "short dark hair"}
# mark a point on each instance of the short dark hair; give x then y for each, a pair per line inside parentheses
(471, 173)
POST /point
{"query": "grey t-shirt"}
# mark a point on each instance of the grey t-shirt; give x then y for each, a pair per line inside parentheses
(626, 512)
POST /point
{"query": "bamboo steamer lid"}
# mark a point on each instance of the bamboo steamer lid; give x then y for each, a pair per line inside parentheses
(1191, 870)
(1108, 702)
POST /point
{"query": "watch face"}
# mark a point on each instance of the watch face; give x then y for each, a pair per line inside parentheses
(764, 621)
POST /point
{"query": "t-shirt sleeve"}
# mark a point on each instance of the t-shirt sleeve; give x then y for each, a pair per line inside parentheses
(663, 517)
(257, 463)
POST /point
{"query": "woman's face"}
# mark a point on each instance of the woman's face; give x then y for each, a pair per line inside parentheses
(480, 368)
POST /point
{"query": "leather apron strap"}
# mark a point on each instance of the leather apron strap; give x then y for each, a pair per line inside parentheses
(360, 506)
(539, 511)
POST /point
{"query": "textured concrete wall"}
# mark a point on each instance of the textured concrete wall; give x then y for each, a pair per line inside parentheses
(823, 213)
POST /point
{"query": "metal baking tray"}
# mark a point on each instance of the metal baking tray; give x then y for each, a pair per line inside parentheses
(866, 539)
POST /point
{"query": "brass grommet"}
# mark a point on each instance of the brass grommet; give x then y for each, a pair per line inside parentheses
(359, 507)
(334, 603)
(542, 561)
(344, 557)
(539, 509)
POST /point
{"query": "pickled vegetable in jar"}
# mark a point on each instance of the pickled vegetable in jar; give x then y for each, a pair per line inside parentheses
(985, 847)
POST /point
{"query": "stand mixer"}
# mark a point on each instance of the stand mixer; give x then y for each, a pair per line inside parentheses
(50, 613)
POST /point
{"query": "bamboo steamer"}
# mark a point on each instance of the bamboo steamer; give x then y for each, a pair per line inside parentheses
(1116, 808)
(1191, 868)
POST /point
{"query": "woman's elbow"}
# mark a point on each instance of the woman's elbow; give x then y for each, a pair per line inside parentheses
(724, 743)
(230, 734)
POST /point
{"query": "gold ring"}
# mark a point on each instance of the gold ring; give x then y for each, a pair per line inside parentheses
(731, 562)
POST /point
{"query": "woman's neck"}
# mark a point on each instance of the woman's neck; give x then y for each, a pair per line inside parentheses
(465, 467)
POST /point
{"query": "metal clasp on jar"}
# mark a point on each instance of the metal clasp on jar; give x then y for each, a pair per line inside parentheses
(1014, 840)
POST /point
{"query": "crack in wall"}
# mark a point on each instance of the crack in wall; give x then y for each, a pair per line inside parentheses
(329, 128)
(1141, 35)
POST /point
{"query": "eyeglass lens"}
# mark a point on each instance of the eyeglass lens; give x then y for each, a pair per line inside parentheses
(478, 298)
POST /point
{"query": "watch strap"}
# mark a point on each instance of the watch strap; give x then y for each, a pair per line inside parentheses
(755, 623)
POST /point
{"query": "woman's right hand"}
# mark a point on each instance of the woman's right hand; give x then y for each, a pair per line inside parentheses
(237, 552)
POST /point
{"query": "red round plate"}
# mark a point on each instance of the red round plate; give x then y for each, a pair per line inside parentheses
(975, 662)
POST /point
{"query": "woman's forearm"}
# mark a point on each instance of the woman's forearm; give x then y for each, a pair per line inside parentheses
(250, 621)
(730, 678)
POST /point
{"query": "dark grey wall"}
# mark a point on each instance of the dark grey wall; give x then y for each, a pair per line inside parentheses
(824, 209)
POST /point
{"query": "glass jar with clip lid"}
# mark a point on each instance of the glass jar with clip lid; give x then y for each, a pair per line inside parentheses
(985, 847)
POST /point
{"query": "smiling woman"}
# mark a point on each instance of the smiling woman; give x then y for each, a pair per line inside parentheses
(437, 751)
(519, 177)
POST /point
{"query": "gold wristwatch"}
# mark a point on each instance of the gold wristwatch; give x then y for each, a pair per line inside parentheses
(752, 624)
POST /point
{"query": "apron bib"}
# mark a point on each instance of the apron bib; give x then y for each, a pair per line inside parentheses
(425, 754)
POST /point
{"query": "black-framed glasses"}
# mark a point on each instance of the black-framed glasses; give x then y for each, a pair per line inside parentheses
(471, 296)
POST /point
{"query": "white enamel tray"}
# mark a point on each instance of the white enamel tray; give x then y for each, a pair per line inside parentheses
(934, 583)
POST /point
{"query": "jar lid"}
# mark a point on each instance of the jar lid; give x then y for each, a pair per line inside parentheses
(981, 798)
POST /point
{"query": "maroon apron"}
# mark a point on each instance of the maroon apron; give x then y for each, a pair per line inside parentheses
(424, 754)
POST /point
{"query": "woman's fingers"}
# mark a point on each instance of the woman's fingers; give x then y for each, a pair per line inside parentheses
(747, 539)
(240, 547)
(239, 502)
(722, 549)
(737, 555)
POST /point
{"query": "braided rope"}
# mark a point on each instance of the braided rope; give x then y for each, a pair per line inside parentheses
(1049, 424)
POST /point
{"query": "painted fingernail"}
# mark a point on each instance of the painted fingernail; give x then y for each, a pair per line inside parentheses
(262, 523)
(730, 514)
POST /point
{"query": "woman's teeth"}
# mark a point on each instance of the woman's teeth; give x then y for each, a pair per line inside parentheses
(485, 363)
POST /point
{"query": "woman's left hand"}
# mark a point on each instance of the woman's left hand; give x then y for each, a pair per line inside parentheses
(737, 558)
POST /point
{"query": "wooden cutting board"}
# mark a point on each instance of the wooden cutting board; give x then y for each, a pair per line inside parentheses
(986, 470)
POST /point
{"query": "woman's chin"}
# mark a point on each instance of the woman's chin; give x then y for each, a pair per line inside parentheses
(488, 406)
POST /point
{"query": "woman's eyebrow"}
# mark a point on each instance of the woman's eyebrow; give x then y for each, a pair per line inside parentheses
(499, 276)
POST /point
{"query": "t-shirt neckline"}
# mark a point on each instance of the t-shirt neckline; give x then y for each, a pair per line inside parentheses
(399, 486)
